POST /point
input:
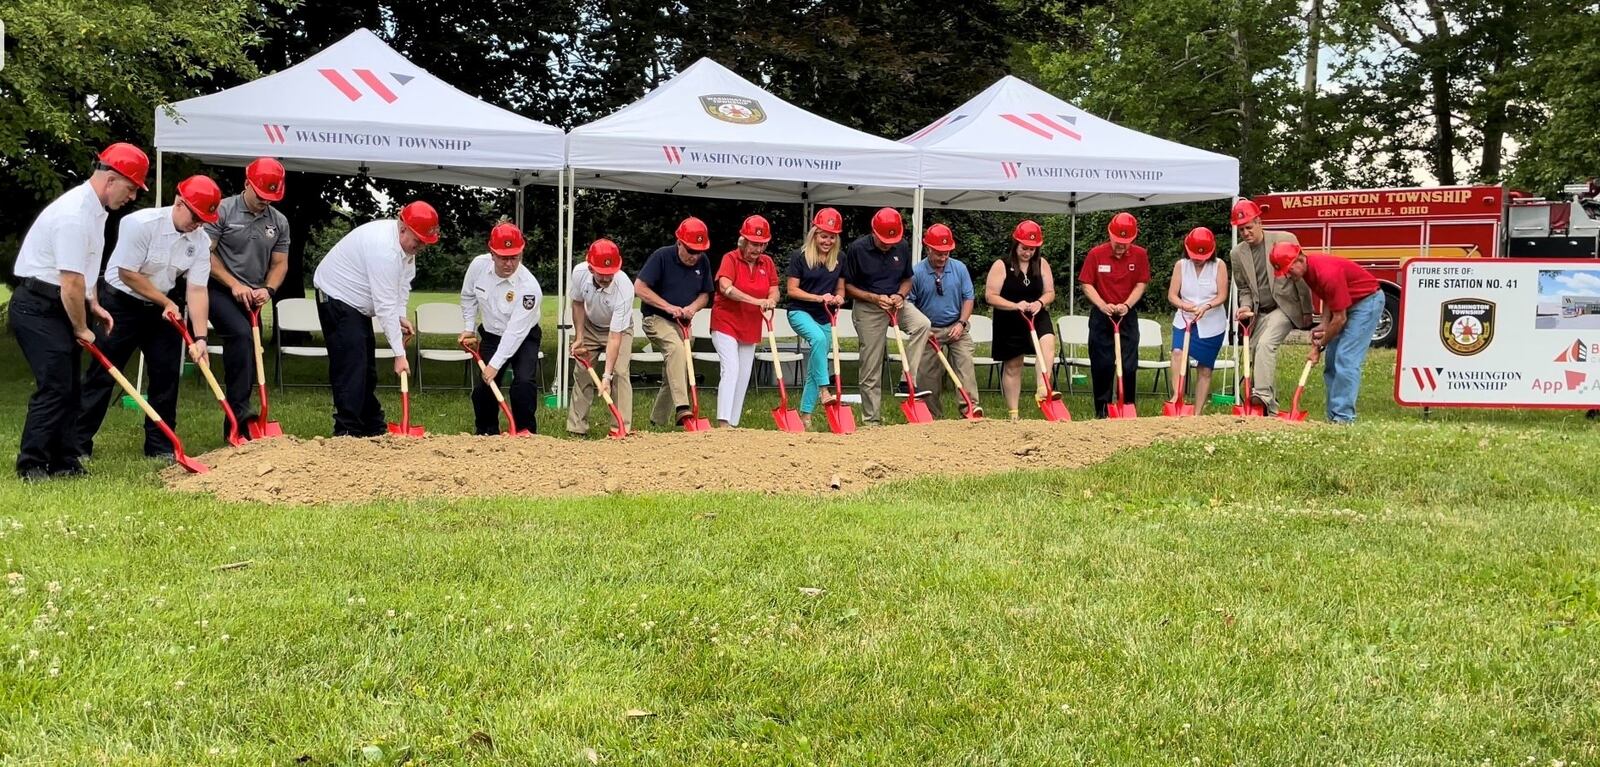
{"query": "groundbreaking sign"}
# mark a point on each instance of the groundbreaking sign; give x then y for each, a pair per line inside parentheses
(1490, 332)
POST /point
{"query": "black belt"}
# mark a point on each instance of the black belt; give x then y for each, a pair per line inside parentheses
(42, 288)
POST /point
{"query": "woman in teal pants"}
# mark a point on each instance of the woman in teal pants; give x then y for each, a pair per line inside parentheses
(813, 285)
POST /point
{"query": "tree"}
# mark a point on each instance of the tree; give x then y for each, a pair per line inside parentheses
(1558, 140)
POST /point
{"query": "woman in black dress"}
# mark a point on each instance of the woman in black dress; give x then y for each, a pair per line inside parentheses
(1021, 283)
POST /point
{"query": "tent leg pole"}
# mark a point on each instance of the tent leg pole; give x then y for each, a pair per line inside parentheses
(558, 386)
(518, 214)
(1239, 397)
(916, 225)
(158, 178)
(1072, 250)
(572, 203)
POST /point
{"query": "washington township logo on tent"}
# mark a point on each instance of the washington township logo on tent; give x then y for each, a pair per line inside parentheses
(674, 154)
(950, 119)
(733, 109)
(1011, 169)
(1045, 126)
(374, 83)
(276, 134)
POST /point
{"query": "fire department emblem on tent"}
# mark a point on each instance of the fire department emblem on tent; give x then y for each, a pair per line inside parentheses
(734, 109)
(1466, 325)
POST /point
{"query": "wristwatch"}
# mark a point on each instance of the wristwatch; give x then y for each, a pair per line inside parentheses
(966, 324)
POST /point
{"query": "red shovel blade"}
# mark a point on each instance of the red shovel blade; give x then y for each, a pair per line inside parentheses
(1054, 409)
(1125, 410)
(916, 411)
(406, 428)
(178, 456)
(691, 423)
(260, 429)
(1176, 409)
(1248, 409)
(841, 419)
(787, 420)
(1294, 412)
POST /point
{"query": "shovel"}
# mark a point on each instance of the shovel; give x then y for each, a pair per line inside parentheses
(972, 408)
(205, 370)
(1177, 406)
(1051, 405)
(1247, 406)
(621, 430)
(1295, 413)
(915, 410)
(261, 426)
(841, 419)
(494, 388)
(1118, 408)
(189, 464)
(694, 422)
(786, 419)
(405, 428)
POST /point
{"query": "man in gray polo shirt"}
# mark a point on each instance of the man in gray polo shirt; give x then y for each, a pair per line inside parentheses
(249, 258)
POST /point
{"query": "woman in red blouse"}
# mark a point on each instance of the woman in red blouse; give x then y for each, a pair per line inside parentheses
(747, 286)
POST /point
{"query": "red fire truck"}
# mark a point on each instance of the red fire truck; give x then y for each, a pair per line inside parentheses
(1381, 229)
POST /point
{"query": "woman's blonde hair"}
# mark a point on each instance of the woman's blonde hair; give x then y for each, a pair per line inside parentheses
(814, 257)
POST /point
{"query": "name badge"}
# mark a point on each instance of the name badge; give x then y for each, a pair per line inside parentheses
(1105, 268)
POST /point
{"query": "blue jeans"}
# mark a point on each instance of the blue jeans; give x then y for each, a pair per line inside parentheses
(1341, 361)
(819, 337)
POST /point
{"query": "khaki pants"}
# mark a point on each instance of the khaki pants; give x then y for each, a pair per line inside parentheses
(583, 391)
(1265, 338)
(667, 339)
(872, 325)
(932, 375)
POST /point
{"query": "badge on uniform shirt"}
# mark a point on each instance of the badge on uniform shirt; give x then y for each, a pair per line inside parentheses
(527, 302)
(1130, 267)
(509, 296)
(1105, 268)
(191, 250)
(271, 230)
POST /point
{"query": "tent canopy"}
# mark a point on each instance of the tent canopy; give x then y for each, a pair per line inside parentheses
(359, 106)
(708, 132)
(1015, 147)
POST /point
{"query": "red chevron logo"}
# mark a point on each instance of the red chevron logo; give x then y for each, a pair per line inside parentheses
(1011, 169)
(1427, 378)
(368, 78)
(276, 134)
(1045, 126)
(674, 154)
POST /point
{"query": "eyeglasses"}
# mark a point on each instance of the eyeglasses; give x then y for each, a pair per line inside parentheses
(938, 284)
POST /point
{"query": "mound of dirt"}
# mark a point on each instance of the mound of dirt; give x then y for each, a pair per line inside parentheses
(319, 470)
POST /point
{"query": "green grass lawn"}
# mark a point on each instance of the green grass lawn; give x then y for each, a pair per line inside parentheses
(1404, 591)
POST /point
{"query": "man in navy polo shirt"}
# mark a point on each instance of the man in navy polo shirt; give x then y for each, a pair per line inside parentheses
(941, 288)
(676, 282)
(877, 277)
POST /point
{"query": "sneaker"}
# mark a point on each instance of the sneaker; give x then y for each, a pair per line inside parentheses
(977, 410)
(900, 391)
(69, 470)
(34, 475)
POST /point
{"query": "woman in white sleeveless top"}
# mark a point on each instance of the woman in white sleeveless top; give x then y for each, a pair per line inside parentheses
(1196, 291)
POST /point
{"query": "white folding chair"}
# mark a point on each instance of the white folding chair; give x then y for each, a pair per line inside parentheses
(439, 318)
(782, 331)
(1073, 331)
(295, 315)
(1150, 337)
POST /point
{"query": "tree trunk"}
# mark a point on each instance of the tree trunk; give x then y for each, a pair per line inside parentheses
(1444, 142)
(1313, 60)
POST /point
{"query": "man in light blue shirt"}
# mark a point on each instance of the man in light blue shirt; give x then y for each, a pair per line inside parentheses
(941, 288)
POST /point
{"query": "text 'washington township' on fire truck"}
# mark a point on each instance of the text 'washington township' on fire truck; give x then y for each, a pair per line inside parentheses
(1381, 229)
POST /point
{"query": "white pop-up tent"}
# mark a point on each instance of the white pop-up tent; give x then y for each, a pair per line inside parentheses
(1016, 147)
(708, 132)
(357, 106)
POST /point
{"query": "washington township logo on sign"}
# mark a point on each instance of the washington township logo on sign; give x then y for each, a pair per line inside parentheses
(1466, 325)
(733, 109)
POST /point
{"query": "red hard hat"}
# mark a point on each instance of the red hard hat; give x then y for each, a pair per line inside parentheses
(887, 225)
(265, 175)
(422, 220)
(1029, 233)
(1124, 228)
(1200, 243)
(756, 229)
(692, 233)
(828, 220)
(938, 238)
(127, 159)
(604, 258)
(1283, 254)
(1244, 211)
(505, 239)
(201, 195)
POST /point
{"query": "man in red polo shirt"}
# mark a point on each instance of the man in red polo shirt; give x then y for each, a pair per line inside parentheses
(1114, 276)
(1351, 306)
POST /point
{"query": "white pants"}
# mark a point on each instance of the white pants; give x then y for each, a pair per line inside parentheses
(736, 360)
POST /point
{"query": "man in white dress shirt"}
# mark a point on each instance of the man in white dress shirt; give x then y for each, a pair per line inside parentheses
(368, 275)
(602, 318)
(58, 267)
(155, 246)
(505, 293)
